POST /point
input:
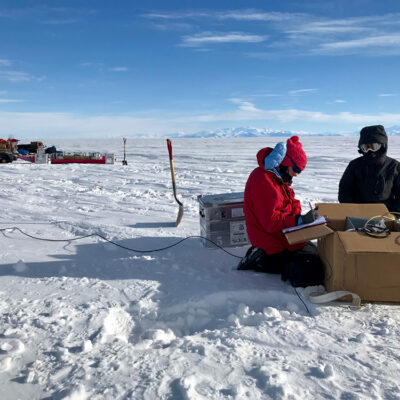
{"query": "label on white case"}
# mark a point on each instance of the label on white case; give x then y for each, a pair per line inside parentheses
(237, 212)
(238, 232)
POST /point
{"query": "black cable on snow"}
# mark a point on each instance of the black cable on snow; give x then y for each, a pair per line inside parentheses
(14, 228)
(302, 300)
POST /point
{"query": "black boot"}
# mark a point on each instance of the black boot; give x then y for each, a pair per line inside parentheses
(254, 259)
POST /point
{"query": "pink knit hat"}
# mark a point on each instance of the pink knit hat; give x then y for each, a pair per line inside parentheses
(294, 150)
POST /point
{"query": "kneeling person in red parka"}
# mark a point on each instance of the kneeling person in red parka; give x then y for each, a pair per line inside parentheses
(270, 206)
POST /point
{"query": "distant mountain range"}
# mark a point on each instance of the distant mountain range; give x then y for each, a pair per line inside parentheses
(393, 130)
(248, 132)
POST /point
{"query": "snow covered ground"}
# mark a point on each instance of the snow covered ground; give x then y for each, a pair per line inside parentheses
(89, 320)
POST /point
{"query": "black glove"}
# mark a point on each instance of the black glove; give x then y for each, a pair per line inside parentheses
(311, 216)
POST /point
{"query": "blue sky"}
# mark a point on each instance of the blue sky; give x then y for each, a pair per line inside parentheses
(111, 68)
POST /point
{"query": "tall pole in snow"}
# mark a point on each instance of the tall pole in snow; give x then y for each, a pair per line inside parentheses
(124, 162)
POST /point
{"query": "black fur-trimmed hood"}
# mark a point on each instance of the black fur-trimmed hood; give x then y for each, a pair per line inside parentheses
(373, 134)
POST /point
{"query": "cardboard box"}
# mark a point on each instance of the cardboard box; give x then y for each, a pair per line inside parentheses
(353, 261)
(309, 233)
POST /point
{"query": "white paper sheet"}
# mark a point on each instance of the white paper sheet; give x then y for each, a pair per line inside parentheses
(320, 220)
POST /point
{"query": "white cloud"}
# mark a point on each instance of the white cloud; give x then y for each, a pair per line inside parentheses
(91, 64)
(202, 49)
(71, 125)
(9, 100)
(291, 115)
(238, 15)
(340, 101)
(244, 105)
(249, 15)
(216, 38)
(301, 91)
(19, 76)
(119, 69)
(299, 33)
(5, 63)
(100, 65)
(368, 42)
(375, 35)
(312, 25)
(41, 125)
(322, 28)
(183, 15)
(16, 76)
(387, 95)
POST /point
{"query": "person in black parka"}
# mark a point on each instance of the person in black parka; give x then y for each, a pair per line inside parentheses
(374, 177)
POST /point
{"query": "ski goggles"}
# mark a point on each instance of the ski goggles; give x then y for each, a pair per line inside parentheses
(295, 167)
(366, 147)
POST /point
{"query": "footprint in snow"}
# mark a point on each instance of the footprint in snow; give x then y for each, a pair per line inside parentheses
(9, 347)
(321, 372)
(117, 325)
(363, 338)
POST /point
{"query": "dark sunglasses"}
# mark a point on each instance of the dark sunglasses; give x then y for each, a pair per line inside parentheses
(295, 167)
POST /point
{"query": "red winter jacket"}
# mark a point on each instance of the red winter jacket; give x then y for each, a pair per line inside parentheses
(269, 207)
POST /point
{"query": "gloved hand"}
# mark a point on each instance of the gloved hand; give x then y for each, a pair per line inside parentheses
(311, 216)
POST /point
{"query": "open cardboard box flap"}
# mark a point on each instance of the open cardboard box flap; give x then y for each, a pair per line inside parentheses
(336, 214)
(309, 233)
(343, 210)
